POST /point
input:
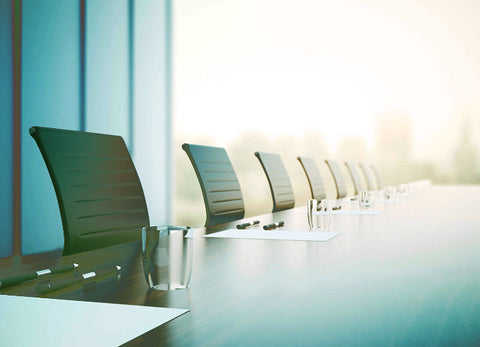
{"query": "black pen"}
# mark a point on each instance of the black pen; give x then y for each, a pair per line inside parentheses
(246, 225)
(274, 225)
(10, 281)
(86, 277)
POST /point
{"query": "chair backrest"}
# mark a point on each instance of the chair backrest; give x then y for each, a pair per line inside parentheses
(220, 187)
(368, 176)
(278, 180)
(315, 181)
(377, 176)
(99, 194)
(357, 182)
(338, 178)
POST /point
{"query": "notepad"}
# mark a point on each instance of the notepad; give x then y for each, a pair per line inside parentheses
(346, 211)
(288, 235)
(30, 321)
(383, 201)
(377, 201)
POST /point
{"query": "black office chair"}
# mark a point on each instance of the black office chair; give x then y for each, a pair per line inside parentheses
(220, 188)
(99, 194)
(338, 178)
(315, 181)
(368, 176)
(357, 183)
(377, 176)
(277, 176)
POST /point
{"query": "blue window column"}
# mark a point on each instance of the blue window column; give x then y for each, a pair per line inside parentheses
(50, 97)
(6, 128)
(152, 130)
(107, 69)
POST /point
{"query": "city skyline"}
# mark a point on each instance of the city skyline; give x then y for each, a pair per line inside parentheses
(330, 71)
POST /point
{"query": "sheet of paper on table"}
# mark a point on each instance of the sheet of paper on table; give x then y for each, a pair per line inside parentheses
(357, 211)
(28, 321)
(277, 234)
(347, 211)
(377, 201)
(383, 201)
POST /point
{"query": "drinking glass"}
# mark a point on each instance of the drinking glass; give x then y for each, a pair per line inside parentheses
(167, 256)
(323, 215)
(366, 199)
(412, 188)
(390, 193)
(318, 214)
(403, 189)
(311, 210)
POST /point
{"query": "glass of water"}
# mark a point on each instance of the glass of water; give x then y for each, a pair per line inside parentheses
(366, 199)
(167, 256)
(323, 215)
(311, 212)
(403, 189)
(390, 193)
(318, 214)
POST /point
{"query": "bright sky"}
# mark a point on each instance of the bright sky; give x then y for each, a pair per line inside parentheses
(333, 66)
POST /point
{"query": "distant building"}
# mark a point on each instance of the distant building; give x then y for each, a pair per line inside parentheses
(465, 156)
(393, 146)
(353, 148)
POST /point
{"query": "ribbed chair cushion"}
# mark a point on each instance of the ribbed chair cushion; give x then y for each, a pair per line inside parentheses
(315, 181)
(220, 187)
(338, 178)
(377, 176)
(368, 176)
(277, 176)
(357, 181)
(99, 194)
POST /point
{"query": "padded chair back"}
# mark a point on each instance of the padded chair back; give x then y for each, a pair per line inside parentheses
(357, 182)
(377, 176)
(315, 181)
(220, 187)
(99, 193)
(277, 176)
(368, 176)
(338, 178)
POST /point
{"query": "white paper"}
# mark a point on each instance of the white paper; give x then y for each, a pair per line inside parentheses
(28, 321)
(347, 211)
(383, 201)
(290, 235)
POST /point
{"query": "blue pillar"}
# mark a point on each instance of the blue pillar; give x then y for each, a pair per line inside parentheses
(51, 98)
(6, 128)
(107, 68)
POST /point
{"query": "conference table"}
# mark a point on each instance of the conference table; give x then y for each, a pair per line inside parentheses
(408, 276)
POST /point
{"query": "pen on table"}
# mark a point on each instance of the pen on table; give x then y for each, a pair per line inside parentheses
(10, 281)
(86, 277)
(246, 225)
(274, 225)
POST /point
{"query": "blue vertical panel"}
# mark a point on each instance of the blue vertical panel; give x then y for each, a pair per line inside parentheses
(50, 97)
(107, 74)
(6, 128)
(152, 145)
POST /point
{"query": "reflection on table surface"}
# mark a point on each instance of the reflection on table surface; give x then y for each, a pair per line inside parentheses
(409, 276)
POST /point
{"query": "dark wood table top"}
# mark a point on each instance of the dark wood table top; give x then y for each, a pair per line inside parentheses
(409, 276)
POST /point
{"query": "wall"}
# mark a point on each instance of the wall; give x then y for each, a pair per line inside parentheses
(6, 128)
(78, 72)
